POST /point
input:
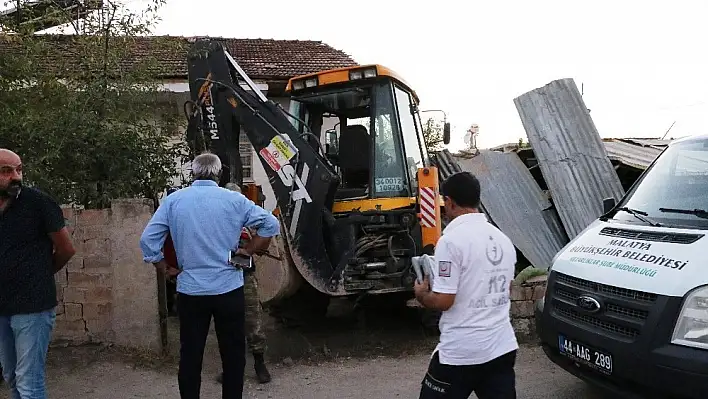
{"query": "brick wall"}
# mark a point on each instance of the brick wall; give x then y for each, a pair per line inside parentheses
(523, 297)
(106, 293)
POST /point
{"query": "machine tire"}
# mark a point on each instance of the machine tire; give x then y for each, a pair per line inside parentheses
(305, 307)
(429, 319)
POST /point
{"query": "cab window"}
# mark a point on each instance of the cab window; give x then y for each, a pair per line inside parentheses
(414, 157)
(389, 168)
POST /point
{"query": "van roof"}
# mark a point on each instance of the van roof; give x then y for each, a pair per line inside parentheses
(695, 137)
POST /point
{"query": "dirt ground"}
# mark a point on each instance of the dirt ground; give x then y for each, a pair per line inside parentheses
(383, 357)
(113, 377)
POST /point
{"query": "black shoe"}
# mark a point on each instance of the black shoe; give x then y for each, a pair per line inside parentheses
(261, 370)
(220, 378)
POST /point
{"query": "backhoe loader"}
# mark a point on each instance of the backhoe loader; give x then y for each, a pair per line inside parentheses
(357, 196)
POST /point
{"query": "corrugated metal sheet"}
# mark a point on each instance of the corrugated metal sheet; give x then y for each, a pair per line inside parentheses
(658, 143)
(446, 164)
(570, 152)
(516, 205)
(632, 155)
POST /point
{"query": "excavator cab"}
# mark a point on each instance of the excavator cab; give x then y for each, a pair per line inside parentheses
(367, 120)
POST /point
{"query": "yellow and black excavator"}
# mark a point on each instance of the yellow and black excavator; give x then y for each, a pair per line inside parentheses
(357, 195)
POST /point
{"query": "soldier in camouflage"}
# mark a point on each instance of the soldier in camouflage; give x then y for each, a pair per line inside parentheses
(254, 335)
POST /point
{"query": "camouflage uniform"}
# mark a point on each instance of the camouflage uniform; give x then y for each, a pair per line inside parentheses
(254, 336)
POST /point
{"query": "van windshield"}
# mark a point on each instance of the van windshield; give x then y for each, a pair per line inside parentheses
(674, 191)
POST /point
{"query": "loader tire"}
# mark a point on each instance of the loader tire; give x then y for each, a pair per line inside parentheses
(430, 320)
(306, 307)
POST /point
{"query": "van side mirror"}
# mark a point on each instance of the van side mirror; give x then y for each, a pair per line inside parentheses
(446, 133)
(608, 204)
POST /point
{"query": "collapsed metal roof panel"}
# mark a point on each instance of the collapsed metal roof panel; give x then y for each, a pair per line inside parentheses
(570, 152)
(636, 156)
(516, 205)
(446, 164)
(657, 143)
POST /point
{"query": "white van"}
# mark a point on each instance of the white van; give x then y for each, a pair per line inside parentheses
(626, 306)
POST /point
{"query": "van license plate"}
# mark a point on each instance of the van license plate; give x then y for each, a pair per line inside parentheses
(585, 354)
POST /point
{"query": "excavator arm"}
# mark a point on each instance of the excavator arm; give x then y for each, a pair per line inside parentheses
(303, 180)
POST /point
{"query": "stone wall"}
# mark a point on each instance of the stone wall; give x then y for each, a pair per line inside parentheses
(106, 293)
(523, 297)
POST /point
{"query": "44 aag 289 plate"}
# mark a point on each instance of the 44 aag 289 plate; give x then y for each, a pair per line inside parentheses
(585, 354)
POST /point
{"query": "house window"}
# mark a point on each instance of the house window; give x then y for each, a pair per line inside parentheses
(246, 151)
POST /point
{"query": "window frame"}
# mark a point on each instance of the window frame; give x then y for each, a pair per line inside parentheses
(413, 180)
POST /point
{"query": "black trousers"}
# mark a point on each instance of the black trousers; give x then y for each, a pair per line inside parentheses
(195, 313)
(495, 379)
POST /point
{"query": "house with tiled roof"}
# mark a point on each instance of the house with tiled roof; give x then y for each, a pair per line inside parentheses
(268, 62)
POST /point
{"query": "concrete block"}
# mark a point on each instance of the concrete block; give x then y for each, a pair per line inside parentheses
(98, 295)
(67, 328)
(60, 278)
(537, 280)
(95, 311)
(96, 246)
(521, 326)
(73, 311)
(98, 261)
(131, 208)
(522, 309)
(75, 264)
(93, 217)
(75, 294)
(63, 337)
(99, 328)
(60, 292)
(517, 293)
(91, 232)
(86, 280)
(539, 292)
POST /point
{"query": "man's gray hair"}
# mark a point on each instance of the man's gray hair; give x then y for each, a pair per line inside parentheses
(206, 166)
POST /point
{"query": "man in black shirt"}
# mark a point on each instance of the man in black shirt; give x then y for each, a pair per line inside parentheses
(34, 245)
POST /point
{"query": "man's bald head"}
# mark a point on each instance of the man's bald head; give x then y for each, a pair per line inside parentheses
(10, 174)
(9, 157)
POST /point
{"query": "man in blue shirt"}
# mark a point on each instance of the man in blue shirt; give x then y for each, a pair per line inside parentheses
(205, 223)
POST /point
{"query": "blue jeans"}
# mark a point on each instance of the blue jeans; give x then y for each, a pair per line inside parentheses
(24, 340)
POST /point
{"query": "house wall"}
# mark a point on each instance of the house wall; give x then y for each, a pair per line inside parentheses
(106, 293)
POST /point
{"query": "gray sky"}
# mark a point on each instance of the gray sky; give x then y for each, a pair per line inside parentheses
(641, 62)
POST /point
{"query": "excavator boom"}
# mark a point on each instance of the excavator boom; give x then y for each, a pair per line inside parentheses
(224, 101)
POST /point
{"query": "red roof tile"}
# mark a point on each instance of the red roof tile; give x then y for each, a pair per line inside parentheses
(260, 58)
